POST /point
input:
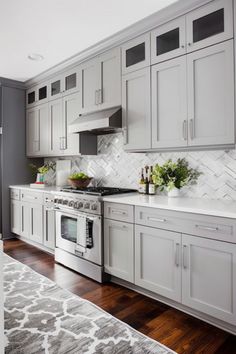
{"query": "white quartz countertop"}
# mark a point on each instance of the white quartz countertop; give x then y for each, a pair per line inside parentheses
(218, 208)
(48, 189)
(203, 206)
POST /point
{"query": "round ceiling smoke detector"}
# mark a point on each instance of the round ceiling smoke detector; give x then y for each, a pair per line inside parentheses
(35, 57)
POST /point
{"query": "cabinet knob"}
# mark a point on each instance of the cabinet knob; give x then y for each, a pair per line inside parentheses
(189, 44)
(182, 46)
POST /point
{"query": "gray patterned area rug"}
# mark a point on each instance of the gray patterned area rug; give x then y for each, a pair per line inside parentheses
(41, 317)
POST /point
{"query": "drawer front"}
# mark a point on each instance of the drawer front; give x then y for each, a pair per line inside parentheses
(217, 228)
(32, 197)
(15, 193)
(120, 212)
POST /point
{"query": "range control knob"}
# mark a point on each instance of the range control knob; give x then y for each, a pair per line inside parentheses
(60, 201)
(94, 207)
(56, 200)
(78, 205)
(71, 203)
(65, 202)
(86, 206)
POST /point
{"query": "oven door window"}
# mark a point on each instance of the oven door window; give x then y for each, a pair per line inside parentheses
(69, 228)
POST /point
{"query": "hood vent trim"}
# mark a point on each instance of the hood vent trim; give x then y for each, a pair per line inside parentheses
(107, 121)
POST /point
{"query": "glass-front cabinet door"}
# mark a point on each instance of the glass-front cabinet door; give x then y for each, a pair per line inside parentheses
(209, 24)
(42, 93)
(168, 41)
(55, 87)
(31, 97)
(136, 54)
(71, 81)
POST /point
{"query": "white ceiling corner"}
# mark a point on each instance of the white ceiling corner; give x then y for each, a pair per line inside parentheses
(59, 29)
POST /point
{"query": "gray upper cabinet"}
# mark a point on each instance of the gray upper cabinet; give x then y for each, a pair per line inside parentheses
(136, 110)
(169, 104)
(71, 107)
(209, 24)
(101, 82)
(90, 85)
(64, 84)
(109, 94)
(210, 77)
(136, 54)
(37, 127)
(168, 41)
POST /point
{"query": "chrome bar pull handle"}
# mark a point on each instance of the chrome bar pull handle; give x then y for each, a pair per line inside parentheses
(184, 256)
(177, 247)
(185, 129)
(192, 129)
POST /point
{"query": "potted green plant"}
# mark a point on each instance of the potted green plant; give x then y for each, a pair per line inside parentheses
(172, 176)
(40, 172)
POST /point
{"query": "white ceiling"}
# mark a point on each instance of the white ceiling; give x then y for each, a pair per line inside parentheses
(59, 29)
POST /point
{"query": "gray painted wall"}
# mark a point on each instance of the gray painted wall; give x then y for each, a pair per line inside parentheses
(14, 164)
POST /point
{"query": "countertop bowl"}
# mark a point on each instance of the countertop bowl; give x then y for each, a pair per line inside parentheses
(80, 183)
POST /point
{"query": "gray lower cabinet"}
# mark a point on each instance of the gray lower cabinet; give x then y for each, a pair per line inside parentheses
(49, 228)
(157, 261)
(119, 249)
(208, 277)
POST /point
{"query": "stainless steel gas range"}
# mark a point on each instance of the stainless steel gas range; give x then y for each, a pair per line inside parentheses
(79, 229)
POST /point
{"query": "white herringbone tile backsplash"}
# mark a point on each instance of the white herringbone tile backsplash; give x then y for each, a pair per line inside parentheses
(117, 168)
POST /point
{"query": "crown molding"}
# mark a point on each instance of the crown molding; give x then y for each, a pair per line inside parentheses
(146, 24)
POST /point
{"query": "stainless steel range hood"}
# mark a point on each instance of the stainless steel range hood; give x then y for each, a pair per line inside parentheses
(102, 122)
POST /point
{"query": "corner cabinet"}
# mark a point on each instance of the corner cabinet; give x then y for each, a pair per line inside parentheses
(136, 110)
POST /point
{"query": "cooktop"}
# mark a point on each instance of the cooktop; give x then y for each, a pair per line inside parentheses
(101, 191)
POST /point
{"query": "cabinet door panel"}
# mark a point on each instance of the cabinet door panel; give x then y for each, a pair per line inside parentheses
(208, 277)
(57, 127)
(119, 249)
(71, 81)
(56, 87)
(211, 95)
(25, 220)
(168, 40)
(90, 85)
(71, 110)
(15, 216)
(43, 129)
(36, 222)
(136, 110)
(49, 228)
(157, 261)
(110, 76)
(136, 54)
(209, 24)
(169, 104)
(32, 132)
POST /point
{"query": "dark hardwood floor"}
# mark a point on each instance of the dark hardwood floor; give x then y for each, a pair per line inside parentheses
(176, 330)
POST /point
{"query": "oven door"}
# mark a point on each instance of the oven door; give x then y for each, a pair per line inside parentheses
(67, 235)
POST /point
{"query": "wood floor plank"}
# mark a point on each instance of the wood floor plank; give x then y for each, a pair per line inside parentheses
(175, 329)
